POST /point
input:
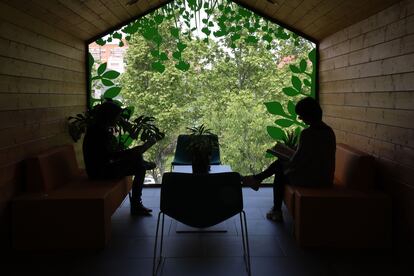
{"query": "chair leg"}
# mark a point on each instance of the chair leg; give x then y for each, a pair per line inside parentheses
(157, 260)
(245, 239)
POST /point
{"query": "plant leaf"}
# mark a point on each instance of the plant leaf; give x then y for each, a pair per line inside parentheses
(181, 46)
(297, 83)
(302, 65)
(290, 91)
(158, 66)
(91, 61)
(111, 74)
(307, 82)
(183, 66)
(312, 55)
(276, 133)
(291, 109)
(107, 82)
(112, 92)
(284, 122)
(101, 68)
(294, 69)
(275, 108)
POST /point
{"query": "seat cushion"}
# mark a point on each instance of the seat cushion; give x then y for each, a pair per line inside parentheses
(354, 169)
(289, 199)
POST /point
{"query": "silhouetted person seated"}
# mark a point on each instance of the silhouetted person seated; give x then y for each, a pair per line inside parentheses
(312, 164)
(103, 159)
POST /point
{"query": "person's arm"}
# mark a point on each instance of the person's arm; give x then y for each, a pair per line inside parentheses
(302, 154)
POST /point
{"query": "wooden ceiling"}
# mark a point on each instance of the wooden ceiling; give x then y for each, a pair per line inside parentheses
(87, 19)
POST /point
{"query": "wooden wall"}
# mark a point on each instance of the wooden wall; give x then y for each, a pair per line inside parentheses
(367, 94)
(42, 82)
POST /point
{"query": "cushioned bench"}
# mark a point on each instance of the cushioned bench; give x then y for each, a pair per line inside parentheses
(62, 208)
(354, 213)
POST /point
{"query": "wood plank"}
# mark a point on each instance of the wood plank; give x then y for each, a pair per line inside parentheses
(26, 53)
(391, 134)
(86, 13)
(14, 67)
(324, 7)
(14, 136)
(22, 118)
(301, 10)
(287, 9)
(12, 84)
(68, 16)
(102, 11)
(117, 9)
(36, 26)
(15, 33)
(397, 82)
(18, 153)
(32, 9)
(20, 101)
(391, 117)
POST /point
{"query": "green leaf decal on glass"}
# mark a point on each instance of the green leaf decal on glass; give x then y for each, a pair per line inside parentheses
(291, 109)
(117, 35)
(251, 39)
(163, 56)
(284, 122)
(155, 53)
(159, 18)
(112, 92)
(111, 74)
(276, 132)
(297, 84)
(294, 69)
(91, 61)
(158, 66)
(175, 32)
(177, 55)
(307, 83)
(183, 66)
(290, 91)
(235, 37)
(181, 46)
(312, 55)
(303, 64)
(101, 68)
(107, 82)
(206, 30)
(100, 42)
(275, 108)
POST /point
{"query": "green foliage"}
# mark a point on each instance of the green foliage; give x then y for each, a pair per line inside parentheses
(126, 130)
(221, 78)
(222, 18)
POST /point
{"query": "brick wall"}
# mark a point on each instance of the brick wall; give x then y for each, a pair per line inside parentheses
(42, 81)
(367, 94)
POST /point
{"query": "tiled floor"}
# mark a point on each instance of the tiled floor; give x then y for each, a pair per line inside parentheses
(272, 247)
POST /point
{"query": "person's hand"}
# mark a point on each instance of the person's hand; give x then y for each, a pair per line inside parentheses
(251, 181)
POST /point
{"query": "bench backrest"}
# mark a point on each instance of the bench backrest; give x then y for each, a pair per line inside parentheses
(353, 168)
(51, 169)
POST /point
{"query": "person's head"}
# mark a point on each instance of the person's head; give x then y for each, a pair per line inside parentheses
(309, 111)
(107, 113)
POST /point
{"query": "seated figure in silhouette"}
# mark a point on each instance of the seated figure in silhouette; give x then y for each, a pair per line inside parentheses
(104, 160)
(311, 165)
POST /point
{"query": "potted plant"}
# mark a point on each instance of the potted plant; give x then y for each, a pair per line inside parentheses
(126, 130)
(201, 146)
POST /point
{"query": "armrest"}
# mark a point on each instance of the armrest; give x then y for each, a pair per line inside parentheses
(343, 218)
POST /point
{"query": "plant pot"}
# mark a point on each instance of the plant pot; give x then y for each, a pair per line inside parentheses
(201, 164)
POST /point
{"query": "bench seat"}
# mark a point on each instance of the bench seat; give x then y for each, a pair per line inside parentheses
(72, 214)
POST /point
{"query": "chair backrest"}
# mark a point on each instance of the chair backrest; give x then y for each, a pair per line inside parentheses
(182, 155)
(353, 168)
(51, 169)
(201, 200)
